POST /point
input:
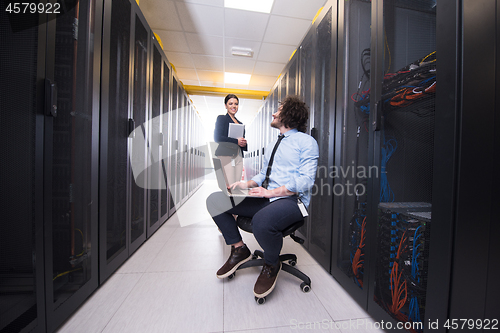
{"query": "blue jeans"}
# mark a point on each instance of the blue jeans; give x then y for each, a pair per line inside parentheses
(269, 219)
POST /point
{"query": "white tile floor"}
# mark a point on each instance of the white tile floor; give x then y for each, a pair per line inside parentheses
(169, 285)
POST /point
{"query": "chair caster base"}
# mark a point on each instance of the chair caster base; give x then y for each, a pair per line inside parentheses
(305, 287)
(230, 277)
(260, 300)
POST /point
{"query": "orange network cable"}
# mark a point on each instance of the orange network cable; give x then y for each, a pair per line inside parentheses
(357, 262)
(398, 289)
(408, 95)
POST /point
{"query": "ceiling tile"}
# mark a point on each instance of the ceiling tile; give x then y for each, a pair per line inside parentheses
(275, 53)
(203, 44)
(243, 24)
(211, 76)
(173, 41)
(297, 8)
(181, 60)
(211, 63)
(215, 3)
(236, 86)
(215, 84)
(268, 68)
(259, 88)
(189, 82)
(261, 80)
(186, 74)
(201, 19)
(285, 30)
(161, 15)
(239, 65)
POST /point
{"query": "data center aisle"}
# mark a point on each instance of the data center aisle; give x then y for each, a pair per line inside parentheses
(169, 285)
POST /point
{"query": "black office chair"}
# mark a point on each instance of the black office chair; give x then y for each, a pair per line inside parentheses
(245, 223)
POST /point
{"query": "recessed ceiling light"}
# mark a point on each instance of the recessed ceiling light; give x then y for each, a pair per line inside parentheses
(262, 6)
(237, 78)
(242, 52)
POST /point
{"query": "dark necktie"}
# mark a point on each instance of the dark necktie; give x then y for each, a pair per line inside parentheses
(265, 183)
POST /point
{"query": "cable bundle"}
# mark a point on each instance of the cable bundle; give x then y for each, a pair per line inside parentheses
(388, 149)
(358, 259)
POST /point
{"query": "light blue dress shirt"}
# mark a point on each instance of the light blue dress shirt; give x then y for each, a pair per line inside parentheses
(294, 166)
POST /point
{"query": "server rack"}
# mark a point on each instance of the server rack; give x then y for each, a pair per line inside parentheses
(71, 111)
(398, 145)
(21, 240)
(156, 179)
(71, 162)
(50, 104)
(166, 149)
(115, 129)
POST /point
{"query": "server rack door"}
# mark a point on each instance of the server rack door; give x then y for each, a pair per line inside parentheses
(306, 75)
(351, 147)
(116, 126)
(70, 164)
(267, 127)
(180, 149)
(174, 145)
(403, 116)
(138, 200)
(156, 179)
(475, 243)
(292, 75)
(283, 86)
(192, 140)
(185, 149)
(22, 64)
(166, 197)
(320, 237)
(260, 141)
(181, 162)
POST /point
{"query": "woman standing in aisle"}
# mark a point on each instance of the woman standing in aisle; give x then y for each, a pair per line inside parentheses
(230, 150)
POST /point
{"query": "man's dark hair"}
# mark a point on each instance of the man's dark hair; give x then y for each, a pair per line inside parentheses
(229, 96)
(294, 113)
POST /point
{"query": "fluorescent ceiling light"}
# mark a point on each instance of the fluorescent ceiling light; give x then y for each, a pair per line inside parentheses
(237, 78)
(262, 6)
(242, 52)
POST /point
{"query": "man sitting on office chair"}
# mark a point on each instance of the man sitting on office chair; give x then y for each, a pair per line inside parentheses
(284, 188)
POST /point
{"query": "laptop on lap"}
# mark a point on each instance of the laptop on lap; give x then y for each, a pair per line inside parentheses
(223, 182)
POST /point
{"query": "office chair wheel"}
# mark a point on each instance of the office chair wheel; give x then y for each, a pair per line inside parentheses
(230, 277)
(292, 262)
(305, 287)
(260, 300)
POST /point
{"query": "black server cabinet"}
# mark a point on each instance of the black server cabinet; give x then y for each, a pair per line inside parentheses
(115, 129)
(322, 122)
(463, 243)
(22, 64)
(50, 110)
(183, 133)
(306, 75)
(352, 171)
(402, 119)
(165, 193)
(156, 180)
(430, 248)
(71, 160)
(140, 116)
(174, 146)
(124, 134)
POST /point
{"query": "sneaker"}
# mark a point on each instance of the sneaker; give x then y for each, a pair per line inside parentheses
(238, 257)
(266, 280)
